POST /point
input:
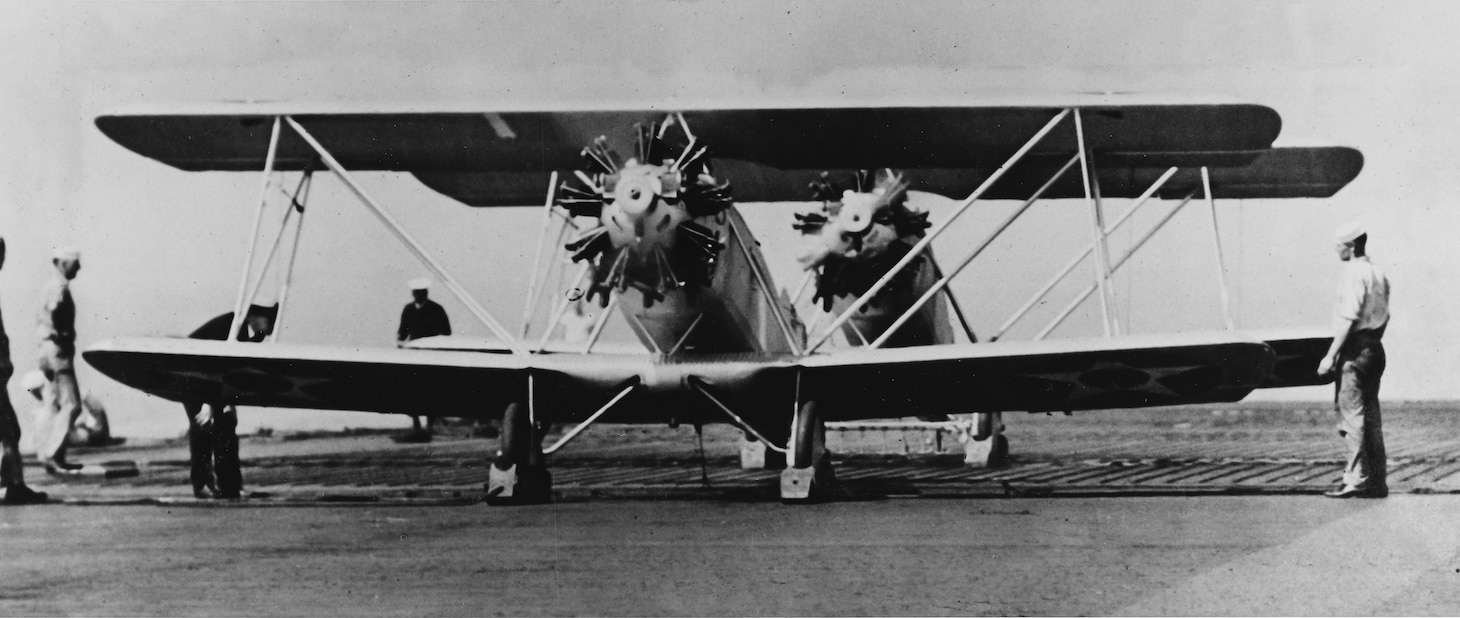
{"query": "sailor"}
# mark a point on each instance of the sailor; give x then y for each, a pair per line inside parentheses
(56, 330)
(213, 431)
(1357, 355)
(91, 428)
(12, 471)
(422, 317)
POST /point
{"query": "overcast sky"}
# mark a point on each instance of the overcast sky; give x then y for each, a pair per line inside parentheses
(163, 248)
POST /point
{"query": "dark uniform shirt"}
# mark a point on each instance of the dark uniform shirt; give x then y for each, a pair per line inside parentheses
(57, 318)
(428, 320)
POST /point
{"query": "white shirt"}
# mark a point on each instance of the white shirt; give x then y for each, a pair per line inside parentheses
(1363, 294)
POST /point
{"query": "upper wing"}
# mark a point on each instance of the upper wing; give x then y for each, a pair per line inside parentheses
(811, 138)
(1274, 173)
(1058, 375)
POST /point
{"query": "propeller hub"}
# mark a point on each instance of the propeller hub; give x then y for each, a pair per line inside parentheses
(636, 190)
(857, 212)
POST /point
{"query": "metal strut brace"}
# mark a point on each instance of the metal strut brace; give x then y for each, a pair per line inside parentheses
(945, 279)
(1121, 262)
(258, 221)
(957, 307)
(532, 284)
(632, 384)
(560, 309)
(1206, 183)
(1038, 296)
(1097, 228)
(415, 247)
(299, 201)
(923, 244)
(699, 386)
(258, 281)
(599, 324)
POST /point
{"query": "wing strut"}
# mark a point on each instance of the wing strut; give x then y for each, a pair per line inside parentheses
(599, 323)
(1092, 287)
(415, 247)
(537, 271)
(559, 310)
(1097, 226)
(304, 183)
(1206, 184)
(699, 385)
(258, 221)
(301, 198)
(633, 383)
(953, 302)
(943, 281)
(926, 241)
(1038, 296)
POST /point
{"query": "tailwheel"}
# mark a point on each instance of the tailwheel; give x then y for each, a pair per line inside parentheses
(519, 475)
(808, 475)
(988, 447)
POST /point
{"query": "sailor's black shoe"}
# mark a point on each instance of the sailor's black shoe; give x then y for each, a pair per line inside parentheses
(1349, 491)
(20, 494)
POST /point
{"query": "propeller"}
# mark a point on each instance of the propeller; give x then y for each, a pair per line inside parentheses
(647, 236)
(855, 231)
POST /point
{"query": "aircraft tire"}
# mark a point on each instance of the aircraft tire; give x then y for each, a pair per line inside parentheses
(808, 437)
(516, 435)
(999, 456)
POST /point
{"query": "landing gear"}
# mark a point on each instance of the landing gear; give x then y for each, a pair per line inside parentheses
(754, 455)
(808, 474)
(987, 447)
(520, 474)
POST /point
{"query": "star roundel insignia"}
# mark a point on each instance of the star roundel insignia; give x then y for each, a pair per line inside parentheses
(250, 381)
(1105, 378)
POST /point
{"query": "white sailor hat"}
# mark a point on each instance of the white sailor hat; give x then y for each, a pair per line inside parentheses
(33, 380)
(419, 283)
(1349, 231)
(66, 253)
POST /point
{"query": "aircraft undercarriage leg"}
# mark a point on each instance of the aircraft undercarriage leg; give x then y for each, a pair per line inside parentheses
(987, 447)
(519, 475)
(808, 474)
(755, 456)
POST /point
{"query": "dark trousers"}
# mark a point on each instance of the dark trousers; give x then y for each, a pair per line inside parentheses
(1356, 397)
(214, 449)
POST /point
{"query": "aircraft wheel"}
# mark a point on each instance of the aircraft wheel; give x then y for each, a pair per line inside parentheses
(808, 437)
(999, 455)
(809, 474)
(517, 476)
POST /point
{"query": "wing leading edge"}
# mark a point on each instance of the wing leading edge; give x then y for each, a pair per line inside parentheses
(1071, 374)
(786, 138)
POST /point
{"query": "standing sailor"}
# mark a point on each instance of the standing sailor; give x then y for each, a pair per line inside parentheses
(1360, 317)
(56, 329)
(212, 422)
(422, 317)
(12, 472)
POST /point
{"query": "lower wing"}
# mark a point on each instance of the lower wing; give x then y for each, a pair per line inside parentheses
(1059, 375)
(1067, 374)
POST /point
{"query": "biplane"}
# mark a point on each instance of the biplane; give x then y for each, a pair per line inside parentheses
(644, 202)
